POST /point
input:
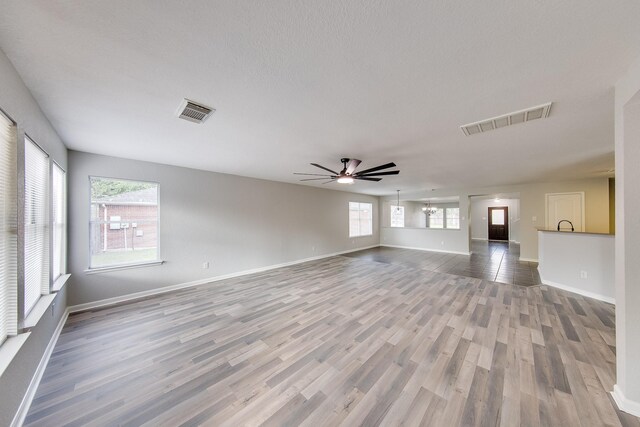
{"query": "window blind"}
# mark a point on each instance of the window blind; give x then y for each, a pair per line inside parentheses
(58, 205)
(8, 230)
(36, 224)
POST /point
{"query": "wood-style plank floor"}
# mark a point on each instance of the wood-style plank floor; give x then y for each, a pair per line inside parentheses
(339, 341)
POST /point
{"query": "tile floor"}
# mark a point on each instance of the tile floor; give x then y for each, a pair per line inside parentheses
(494, 261)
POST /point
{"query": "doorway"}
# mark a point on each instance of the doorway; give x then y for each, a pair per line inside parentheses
(498, 223)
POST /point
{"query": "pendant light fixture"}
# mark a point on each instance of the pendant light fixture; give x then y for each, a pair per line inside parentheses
(428, 209)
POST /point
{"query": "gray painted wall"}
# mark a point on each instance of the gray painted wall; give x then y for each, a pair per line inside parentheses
(235, 223)
(627, 244)
(16, 101)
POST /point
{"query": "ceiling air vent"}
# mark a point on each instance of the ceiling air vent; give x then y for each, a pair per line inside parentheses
(194, 112)
(533, 113)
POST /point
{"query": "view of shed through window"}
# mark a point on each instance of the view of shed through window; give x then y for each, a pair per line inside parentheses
(124, 222)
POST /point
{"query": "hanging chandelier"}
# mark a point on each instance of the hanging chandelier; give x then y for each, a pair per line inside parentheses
(428, 209)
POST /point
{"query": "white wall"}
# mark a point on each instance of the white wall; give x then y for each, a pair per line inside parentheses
(235, 223)
(627, 273)
(479, 217)
(563, 256)
(17, 102)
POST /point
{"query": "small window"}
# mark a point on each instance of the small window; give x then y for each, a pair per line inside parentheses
(397, 216)
(436, 219)
(360, 219)
(453, 217)
(124, 226)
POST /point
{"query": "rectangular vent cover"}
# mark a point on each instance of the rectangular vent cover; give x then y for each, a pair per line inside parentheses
(194, 112)
(533, 113)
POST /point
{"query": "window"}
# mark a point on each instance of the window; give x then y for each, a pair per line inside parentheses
(8, 230)
(452, 217)
(59, 219)
(397, 216)
(36, 224)
(360, 219)
(436, 220)
(124, 225)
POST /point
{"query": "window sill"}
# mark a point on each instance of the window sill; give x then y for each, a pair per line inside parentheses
(38, 311)
(10, 348)
(122, 267)
(59, 283)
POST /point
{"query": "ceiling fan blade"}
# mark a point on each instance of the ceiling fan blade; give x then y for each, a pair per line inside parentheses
(352, 165)
(328, 181)
(367, 179)
(380, 173)
(322, 167)
(313, 174)
(377, 168)
(314, 179)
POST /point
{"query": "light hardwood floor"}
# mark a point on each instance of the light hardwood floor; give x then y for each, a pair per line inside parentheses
(339, 341)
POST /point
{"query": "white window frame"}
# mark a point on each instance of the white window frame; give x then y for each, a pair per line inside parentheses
(56, 275)
(120, 266)
(9, 307)
(446, 218)
(443, 219)
(360, 209)
(44, 284)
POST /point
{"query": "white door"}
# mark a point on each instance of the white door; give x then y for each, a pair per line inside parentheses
(565, 206)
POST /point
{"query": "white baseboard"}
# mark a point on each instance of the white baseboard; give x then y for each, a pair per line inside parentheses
(479, 238)
(426, 250)
(25, 404)
(624, 404)
(138, 295)
(578, 291)
(528, 259)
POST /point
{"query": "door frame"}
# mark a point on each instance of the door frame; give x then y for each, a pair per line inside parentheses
(506, 223)
(546, 208)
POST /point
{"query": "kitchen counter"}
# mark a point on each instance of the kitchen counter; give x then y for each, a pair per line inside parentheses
(555, 230)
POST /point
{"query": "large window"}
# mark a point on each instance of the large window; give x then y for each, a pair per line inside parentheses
(124, 225)
(8, 230)
(360, 219)
(436, 219)
(59, 219)
(36, 224)
(452, 216)
(444, 218)
(397, 216)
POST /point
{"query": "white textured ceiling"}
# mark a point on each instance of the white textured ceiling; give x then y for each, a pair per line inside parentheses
(296, 82)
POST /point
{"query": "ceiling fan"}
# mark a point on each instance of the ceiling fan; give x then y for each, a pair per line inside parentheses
(348, 174)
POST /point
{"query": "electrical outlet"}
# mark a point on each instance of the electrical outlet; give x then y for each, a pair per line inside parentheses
(205, 265)
(583, 274)
(534, 219)
(442, 243)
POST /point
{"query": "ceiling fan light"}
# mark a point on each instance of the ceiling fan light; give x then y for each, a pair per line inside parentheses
(345, 180)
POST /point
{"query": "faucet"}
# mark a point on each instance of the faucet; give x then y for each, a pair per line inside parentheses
(565, 220)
